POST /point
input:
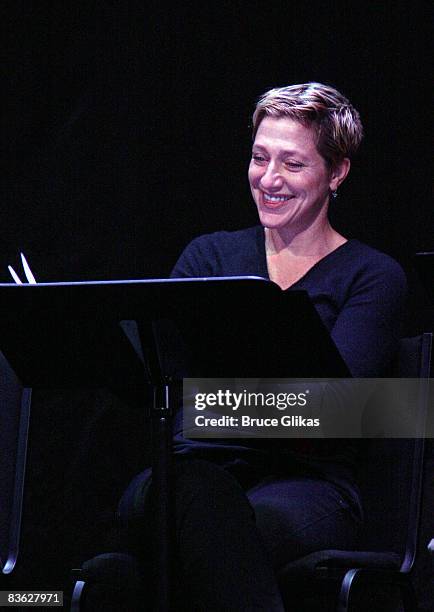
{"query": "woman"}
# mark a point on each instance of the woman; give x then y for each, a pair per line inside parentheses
(243, 512)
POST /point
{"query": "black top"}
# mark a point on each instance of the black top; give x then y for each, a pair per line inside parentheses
(359, 294)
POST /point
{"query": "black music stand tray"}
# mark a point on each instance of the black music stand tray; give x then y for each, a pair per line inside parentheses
(133, 335)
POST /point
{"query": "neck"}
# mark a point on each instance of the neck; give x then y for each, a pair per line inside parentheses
(314, 241)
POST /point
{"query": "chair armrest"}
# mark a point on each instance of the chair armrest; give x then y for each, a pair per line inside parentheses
(344, 559)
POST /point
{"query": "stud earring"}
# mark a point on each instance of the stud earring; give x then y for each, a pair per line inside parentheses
(335, 194)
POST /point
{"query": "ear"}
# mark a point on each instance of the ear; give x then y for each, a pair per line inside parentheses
(339, 173)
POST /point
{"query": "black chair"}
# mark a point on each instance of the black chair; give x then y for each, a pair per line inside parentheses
(14, 425)
(391, 484)
(110, 582)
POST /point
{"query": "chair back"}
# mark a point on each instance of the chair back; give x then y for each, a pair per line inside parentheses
(391, 471)
(14, 423)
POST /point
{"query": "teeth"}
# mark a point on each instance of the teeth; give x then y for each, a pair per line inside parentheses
(272, 198)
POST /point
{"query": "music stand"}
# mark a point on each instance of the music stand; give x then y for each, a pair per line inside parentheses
(127, 335)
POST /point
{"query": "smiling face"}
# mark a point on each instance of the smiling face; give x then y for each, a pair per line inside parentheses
(289, 179)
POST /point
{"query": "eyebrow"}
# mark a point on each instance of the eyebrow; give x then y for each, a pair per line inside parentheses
(282, 153)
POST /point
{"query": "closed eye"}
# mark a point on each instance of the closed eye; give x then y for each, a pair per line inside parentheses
(293, 165)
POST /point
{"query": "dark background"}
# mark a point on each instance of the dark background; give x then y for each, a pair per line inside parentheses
(126, 130)
(126, 125)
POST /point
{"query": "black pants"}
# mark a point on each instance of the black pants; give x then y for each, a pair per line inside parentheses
(232, 536)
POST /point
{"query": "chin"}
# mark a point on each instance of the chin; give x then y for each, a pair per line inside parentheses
(273, 221)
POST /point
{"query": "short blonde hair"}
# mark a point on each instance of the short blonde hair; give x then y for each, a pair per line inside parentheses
(337, 123)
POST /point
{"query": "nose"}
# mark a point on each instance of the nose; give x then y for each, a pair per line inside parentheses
(271, 180)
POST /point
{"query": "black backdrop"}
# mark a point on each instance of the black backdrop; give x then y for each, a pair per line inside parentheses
(126, 132)
(126, 124)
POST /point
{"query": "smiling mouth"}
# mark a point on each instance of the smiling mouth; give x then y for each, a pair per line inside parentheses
(275, 201)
